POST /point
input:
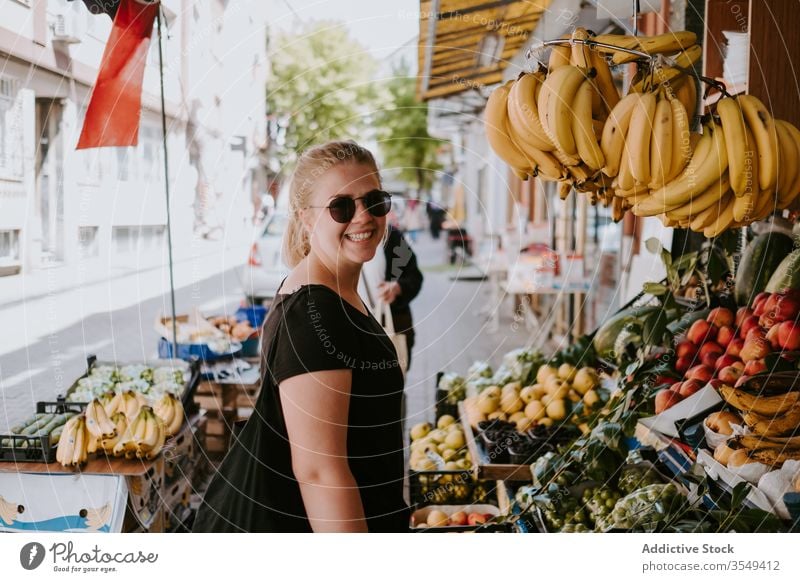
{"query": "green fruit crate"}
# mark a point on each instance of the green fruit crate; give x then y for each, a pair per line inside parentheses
(18, 448)
(447, 488)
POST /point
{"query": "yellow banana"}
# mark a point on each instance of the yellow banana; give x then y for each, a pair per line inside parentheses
(705, 200)
(787, 423)
(698, 175)
(774, 457)
(723, 219)
(763, 405)
(165, 409)
(66, 444)
(681, 140)
(523, 114)
(612, 142)
(113, 405)
(746, 205)
(150, 436)
(604, 80)
(669, 42)
(762, 125)
(92, 425)
(582, 130)
(794, 188)
(787, 163)
(661, 144)
(559, 56)
(555, 106)
(177, 421)
(701, 220)
(638, 139)
(616, 40)
(686, 93)
(732, 121)
(579, 54)
(763, 441)
(495, 125)
(159, 444)
(81, 437)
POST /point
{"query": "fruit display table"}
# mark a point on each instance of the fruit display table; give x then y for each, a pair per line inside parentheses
(107, 494)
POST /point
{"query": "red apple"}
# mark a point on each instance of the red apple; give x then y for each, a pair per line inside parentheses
(756, 333)
(682, 365)
(701, 331)
(458, 518)
(724, 361)
(686, 349)
(720, 316)
(666, 399)
(725, 335)
(710, 359)
(759, 303)
(789, 335)
(747, 325)
(730, 375)
(735, 347)
(772, 337)
(741, 314)
(476, 519)
(701, 372)
(738, 364)
(754, 367)
(690, 387)
(755, 348)
(676, 387)
(710, 347)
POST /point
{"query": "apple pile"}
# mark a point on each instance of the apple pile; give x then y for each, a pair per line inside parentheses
(438, 518)
(727, 346)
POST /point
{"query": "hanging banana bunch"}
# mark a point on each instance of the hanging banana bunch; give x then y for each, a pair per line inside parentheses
(568, 123)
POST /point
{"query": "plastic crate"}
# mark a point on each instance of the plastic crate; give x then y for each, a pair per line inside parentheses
(190, 352)
(440, 487)
(254, 314)
(36, 449)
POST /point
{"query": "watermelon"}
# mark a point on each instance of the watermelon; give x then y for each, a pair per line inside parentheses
(787, 275)
(762, 258)
(607, 333)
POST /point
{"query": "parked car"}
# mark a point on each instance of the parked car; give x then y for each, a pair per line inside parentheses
(262, 274)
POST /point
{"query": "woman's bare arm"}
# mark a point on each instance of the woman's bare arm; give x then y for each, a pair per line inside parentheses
(315, 407)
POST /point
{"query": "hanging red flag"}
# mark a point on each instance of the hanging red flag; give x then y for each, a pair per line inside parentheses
(112, 118)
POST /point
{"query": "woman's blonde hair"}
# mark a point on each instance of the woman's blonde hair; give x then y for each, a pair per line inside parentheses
(312, 164)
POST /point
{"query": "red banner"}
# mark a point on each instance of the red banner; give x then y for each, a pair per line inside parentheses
(112, 118)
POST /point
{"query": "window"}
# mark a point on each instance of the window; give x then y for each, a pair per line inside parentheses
(10, 128)
(128, 240)
(88, 246)
(150, 143)
(125, 170)
(9, 246)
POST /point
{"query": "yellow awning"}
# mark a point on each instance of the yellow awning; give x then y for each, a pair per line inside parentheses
(464, 44)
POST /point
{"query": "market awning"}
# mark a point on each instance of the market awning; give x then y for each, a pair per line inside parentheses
(467, 43)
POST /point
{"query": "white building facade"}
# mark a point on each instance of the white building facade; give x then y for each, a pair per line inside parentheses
(59, 206)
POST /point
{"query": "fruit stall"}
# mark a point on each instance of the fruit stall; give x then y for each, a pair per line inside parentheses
(681, 411)
(130, 445)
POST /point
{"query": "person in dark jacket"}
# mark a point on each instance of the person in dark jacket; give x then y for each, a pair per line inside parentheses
(402, 283)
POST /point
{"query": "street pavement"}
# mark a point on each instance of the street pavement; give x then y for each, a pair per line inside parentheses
(54, 332)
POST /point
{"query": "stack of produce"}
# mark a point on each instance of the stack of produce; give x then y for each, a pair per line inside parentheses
(39, 425)
(440, 448)
(460, 518)
(152, 383)
(568, 124)
(548, 402)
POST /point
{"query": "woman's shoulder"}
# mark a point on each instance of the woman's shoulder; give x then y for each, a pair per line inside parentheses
(311, 298)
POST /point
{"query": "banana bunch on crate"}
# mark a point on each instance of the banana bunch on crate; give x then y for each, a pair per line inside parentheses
(569, 124)
(120, 424)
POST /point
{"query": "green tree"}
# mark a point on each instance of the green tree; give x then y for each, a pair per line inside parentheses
(320, 87)
(402, 127)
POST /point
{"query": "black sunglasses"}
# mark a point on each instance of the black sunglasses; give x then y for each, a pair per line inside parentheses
(343, 208)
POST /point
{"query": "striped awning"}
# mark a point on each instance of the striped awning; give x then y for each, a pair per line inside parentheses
(465, 44)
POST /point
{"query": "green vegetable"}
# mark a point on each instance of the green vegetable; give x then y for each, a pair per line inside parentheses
(608, 332)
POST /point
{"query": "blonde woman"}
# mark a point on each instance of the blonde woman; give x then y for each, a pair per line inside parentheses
(323, 450)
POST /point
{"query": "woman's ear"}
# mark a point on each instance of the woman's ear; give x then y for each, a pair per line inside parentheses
(306, 220)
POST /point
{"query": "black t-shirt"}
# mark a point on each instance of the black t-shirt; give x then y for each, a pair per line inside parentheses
(310, 330)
